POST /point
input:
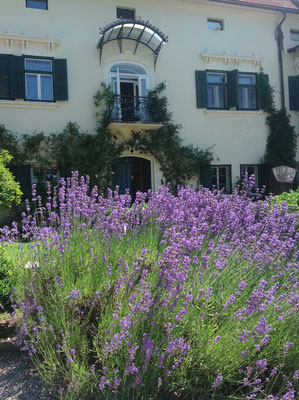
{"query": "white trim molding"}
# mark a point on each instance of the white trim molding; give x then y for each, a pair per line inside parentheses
(227, 58)
(233, 113)
(25, 40)
(43, 105)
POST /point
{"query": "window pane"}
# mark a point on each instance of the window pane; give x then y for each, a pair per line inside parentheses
(125, 13)
(222, 171)
(216, 96)
(40, 4)
(46, 87)
(38, 65)
(215, 25)
(216, 78)
(247, 79)
(294, 35)
(31, 87)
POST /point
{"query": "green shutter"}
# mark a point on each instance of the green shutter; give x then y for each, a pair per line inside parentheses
(5, 76)
(23, 175)
(201, 89)
(206, 177)
(17, 77)
(60, 80)
(294, 92)
(262, 82)
(232, 81)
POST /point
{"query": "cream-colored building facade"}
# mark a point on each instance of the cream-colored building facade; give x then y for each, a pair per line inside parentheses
(202, 36)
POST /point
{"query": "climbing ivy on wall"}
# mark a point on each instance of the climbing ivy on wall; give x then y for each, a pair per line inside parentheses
(97, 154)
(281, 141)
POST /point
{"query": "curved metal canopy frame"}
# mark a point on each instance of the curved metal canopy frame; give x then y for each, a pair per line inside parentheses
(133, 29)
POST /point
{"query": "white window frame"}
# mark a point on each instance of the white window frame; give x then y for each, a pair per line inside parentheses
(39, 75)
(216, 20)
(246, 87)
(294, 35)
(216, 86)
(244, 169)
(227, 174)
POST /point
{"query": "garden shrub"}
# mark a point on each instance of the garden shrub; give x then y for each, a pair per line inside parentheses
(191, 297)
(291, 198)
(9, 189)
(7, 281)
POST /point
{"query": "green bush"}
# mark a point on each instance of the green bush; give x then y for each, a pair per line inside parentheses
(7, 281)
(9, 189)
(291, 198)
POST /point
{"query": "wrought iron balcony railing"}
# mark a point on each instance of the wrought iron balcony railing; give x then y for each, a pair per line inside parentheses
(134, 109)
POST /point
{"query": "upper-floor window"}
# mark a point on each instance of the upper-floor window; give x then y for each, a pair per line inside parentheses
(33, 78)
(38, 79)
(217, 90)
(40, 4)
(294, 34)
(247, 92)
(125, 13)
(215, 24)
(231, 90)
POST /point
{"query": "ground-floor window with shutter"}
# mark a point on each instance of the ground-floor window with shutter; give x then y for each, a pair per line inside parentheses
(221, 177)
(33, 78)
(250, 170)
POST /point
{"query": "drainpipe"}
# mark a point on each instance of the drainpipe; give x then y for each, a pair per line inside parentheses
(279, 38)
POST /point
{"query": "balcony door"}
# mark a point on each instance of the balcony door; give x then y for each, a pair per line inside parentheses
(130, 83)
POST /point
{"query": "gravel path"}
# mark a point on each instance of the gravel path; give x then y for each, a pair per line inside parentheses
(18, 377)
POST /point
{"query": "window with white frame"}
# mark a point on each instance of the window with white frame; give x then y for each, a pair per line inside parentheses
(217, 90)
(38, 79)
(215, 24)
(250, 170)
(294, 34)
(221, 177)
(247, 92)
(39, 4)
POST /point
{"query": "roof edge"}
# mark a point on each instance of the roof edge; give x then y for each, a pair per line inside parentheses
(252, 5)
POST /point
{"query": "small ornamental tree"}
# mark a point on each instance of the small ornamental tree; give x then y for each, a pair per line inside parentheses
(9, 189)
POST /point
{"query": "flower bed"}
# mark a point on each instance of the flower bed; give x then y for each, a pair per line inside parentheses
(183, 297)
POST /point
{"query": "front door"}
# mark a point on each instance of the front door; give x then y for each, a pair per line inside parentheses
(133, 173)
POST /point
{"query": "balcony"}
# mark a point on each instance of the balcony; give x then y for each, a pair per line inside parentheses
(134, 113)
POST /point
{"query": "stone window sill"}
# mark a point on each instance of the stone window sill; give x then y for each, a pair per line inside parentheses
(236, 113)
(28, 104)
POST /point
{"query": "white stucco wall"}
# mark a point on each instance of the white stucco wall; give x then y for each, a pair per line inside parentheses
(236, 137)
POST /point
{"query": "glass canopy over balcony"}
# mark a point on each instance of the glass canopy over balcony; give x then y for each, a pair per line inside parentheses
(133, 29)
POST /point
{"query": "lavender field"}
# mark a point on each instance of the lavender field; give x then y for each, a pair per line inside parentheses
(193, 296)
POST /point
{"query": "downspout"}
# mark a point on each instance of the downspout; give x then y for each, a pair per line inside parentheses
(279, 38)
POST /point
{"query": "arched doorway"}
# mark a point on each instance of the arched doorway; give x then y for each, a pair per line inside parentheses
(130, 83)
(133, 173)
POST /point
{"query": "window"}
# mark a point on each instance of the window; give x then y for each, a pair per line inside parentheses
(33, 78)
(247, 92)
(38, 82)
(250, 170)
(294, 93)
(294, 34)
(125, 13)
(40, 4)
(221, 177)
(41, 176)
(216, 86)
(215, 24)
(228, 90)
